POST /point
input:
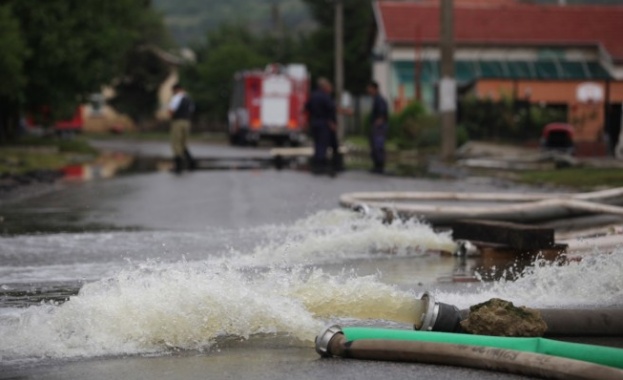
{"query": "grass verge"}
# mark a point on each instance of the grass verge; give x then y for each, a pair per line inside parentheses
(581, 178)
(43, 153)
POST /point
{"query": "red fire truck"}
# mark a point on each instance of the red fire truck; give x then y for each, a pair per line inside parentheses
(268, 104)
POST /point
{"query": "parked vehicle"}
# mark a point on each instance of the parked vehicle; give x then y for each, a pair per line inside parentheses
(268, 104)
(558, 137)
(64, 127)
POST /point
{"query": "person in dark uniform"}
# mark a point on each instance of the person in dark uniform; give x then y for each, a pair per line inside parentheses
(181, 108)
(321, 112)
(378, 130)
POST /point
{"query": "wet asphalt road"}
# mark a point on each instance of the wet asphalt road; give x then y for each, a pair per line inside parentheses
(198, 200)
(204, 200)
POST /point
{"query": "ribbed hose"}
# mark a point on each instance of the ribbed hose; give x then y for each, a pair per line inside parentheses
(495, 359)
(607, 356)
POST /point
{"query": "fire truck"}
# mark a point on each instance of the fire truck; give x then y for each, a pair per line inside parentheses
(269, 104)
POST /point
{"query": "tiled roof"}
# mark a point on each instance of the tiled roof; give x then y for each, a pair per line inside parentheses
(506, 22)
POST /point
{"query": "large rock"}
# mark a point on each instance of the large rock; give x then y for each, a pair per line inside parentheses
(501, 318)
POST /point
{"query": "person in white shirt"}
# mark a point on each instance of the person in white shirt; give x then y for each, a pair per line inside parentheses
(181, 109)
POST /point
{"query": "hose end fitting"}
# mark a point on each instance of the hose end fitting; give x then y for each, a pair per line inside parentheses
(429, 315)
(466, 248)
(438, 316)
(324, 339)
(361, 208)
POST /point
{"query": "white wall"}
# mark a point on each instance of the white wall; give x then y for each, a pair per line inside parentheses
(380, 73)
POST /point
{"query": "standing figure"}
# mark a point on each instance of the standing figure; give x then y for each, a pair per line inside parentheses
(181, 108)
(378, 130)
(323, 125)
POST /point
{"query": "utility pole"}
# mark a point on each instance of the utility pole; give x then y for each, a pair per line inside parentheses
(339, 65)
(277, 27)
(417, 80)
(447, 83)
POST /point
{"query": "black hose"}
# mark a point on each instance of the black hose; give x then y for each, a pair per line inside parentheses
(583, 322)
(560, 322)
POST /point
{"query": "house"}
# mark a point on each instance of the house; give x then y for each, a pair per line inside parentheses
(571, 56)
(101, 117)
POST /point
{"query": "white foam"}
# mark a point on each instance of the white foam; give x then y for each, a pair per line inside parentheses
(595, 280)
(157, 307)
(341, 234)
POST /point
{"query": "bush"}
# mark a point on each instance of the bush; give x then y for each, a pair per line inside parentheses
(461, 135)
(403, 124)
(506, 119)
(414, 127)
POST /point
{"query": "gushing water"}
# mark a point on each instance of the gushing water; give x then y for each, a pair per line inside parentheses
(357, 297)
(595, 280)
(272, 285)
(187, 306)
(164, 304)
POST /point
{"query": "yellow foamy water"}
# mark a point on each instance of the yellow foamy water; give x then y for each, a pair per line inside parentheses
(358, 298)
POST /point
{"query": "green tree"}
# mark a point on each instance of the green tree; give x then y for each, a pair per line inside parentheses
(228, 34)
(136, 91)
(358, 21)
(229, 49)
(145, 67)
(13, 53)
(210, 80)
(75, 47)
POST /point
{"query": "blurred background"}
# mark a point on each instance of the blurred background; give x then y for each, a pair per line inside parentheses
(519, 65)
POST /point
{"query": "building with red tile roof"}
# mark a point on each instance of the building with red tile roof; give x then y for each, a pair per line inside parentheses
(507, 47)
(507, 22)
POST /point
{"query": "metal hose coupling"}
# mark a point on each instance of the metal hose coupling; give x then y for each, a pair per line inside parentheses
(438, 316)
(323, 340)
(361, 208)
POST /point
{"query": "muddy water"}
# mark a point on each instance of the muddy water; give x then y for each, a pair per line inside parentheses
(135, 303)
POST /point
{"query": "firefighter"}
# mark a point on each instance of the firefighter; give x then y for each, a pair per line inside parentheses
(181, 108)
(379, 126)
(323, 126)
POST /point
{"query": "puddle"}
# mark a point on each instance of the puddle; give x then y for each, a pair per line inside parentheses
(107, 165)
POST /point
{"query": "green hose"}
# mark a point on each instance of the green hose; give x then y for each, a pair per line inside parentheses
(608, 356)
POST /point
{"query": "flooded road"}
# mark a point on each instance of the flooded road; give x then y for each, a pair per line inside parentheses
(231, 274)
